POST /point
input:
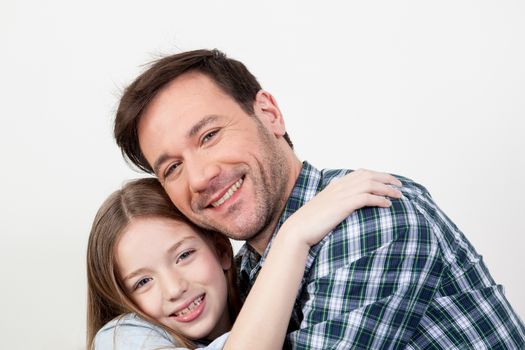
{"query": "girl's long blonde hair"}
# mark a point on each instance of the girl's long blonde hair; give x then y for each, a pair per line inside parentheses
(107, 296)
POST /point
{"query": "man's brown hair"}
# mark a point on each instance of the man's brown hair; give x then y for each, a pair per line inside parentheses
(230, 75)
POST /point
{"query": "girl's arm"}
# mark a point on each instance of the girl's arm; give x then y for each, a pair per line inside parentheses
(264, 317)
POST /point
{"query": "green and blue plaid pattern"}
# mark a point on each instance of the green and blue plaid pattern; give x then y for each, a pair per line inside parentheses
(403, 277)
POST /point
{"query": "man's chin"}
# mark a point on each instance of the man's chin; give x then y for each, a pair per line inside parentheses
(241, 235)
(246, 227)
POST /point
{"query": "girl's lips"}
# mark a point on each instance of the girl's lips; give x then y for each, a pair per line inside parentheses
(192, 314)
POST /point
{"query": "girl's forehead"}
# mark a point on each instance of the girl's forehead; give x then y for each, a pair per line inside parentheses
(146, 236)
(160, 227)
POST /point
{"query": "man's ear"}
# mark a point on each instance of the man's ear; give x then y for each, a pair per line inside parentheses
(266, 109)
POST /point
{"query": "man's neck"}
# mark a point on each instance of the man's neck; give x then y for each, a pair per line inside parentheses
(261, 240)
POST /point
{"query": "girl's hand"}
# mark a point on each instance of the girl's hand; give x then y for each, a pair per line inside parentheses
(338, 200)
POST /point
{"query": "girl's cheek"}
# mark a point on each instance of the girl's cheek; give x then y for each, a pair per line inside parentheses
(149, 302)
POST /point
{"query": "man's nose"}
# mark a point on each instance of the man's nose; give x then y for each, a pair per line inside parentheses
(200, 171)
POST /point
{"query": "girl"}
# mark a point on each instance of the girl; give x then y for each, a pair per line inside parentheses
(157, 281)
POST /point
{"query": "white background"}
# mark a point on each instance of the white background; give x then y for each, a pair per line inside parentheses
(434, 91)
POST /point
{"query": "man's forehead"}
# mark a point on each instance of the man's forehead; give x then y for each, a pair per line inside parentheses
(190, 84)
(177, 114)
(188, 98)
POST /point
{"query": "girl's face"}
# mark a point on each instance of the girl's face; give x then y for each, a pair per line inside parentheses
(174, 276)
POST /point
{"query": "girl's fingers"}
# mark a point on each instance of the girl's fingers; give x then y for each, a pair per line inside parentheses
(362, 174)
(369, 186)
(379, 176)
(362, 188)
(386, 190)
(372, 200)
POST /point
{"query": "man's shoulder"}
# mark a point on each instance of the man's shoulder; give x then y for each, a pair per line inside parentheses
(412, 187)
(368, 229)
(413, 193)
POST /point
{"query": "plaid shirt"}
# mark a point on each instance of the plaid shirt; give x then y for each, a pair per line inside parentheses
(403, 277)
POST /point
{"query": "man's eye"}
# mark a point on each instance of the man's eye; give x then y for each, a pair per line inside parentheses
(170, 169)
(142, 282)
(209, 136)
(185, 255)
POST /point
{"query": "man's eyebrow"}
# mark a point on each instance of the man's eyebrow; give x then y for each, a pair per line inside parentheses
(156, 167)
(201, 124)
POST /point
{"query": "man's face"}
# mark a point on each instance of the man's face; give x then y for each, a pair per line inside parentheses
(224, 169)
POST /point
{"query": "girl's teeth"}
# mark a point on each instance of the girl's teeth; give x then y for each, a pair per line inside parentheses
(190, 307)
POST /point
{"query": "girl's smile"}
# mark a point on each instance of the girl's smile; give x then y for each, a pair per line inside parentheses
(191, 311)
(175, 276)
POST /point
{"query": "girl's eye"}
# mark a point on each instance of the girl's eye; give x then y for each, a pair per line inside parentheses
(142, 282)
(185, 255)
(209, 136)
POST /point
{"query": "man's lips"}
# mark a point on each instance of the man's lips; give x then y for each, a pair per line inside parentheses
(227, 193)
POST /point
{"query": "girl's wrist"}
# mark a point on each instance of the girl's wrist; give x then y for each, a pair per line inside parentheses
(292, 238)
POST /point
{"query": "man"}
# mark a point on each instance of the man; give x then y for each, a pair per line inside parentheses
(403, 277)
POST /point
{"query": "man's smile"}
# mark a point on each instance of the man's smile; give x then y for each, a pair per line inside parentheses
(229, 192)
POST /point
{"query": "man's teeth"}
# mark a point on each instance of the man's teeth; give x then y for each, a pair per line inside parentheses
(190, 307)
(228, 193)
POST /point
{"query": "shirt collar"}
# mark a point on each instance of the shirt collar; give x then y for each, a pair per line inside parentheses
(306, 186)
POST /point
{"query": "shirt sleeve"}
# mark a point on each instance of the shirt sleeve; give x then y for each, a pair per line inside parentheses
(130, 332)
(371, 283)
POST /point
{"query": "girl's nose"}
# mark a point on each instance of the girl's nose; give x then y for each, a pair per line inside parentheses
(173, 287)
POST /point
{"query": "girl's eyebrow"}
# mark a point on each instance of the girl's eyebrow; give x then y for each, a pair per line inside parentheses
(171, 250)
(135, 273)
(176, 245)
